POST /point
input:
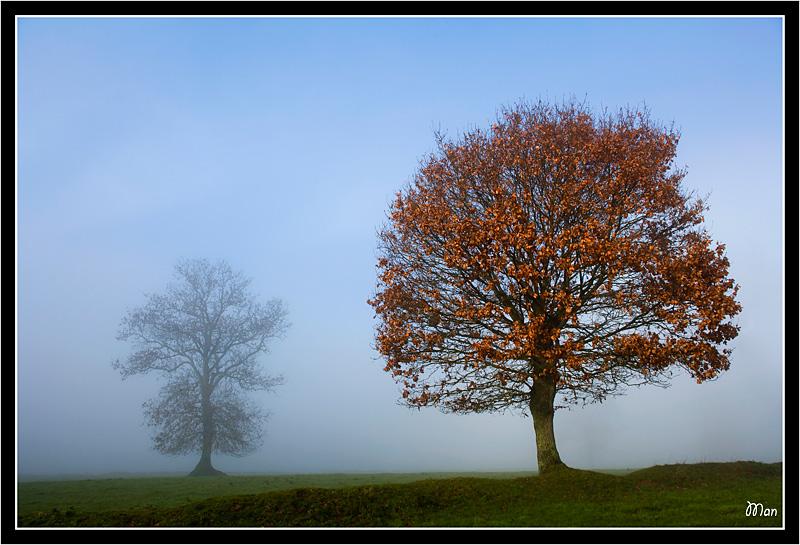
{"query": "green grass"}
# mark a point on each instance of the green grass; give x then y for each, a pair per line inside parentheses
(675, 495)
(130, 492)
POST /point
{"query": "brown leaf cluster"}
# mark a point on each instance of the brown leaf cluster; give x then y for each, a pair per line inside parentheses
(556, 245)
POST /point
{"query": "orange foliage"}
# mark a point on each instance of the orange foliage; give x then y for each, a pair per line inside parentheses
(557, 246)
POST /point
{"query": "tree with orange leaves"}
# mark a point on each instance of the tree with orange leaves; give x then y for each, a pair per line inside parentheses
(554, 257)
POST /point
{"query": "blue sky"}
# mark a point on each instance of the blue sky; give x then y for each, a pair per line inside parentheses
(277, 144)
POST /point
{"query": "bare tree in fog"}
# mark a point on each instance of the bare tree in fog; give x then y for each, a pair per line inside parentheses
(204, 334)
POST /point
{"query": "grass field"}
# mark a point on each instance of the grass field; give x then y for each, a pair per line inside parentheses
(675, 495)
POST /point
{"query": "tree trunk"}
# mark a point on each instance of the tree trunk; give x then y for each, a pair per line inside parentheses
(542, 411)
(204, 467)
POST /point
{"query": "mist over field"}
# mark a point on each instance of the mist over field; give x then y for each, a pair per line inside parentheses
(277, 145)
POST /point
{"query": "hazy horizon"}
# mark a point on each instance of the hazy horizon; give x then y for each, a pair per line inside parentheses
(278, 144)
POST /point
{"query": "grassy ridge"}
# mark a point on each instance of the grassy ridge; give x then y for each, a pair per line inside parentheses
(677, 495)
(112, 494)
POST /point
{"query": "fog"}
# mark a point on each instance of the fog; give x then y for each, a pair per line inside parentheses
(277, 145)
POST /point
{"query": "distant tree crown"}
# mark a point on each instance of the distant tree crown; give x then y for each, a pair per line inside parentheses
(205, 334)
